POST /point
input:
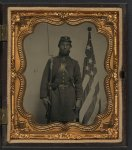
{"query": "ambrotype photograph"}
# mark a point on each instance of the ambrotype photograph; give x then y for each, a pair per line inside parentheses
(63, 75)
(64, 69)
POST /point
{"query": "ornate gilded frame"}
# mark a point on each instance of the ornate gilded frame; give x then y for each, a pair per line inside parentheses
(108, 126)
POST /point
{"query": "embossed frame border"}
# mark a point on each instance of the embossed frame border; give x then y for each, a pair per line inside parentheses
(108, 126)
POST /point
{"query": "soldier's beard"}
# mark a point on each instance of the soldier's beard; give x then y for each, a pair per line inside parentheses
(64, 53)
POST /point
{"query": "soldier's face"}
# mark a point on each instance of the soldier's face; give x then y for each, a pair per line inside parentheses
(65, 48)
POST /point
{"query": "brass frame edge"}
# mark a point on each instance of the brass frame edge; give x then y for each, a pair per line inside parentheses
(9, 82)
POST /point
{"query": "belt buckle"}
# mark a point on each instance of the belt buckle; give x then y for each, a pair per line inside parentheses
(63, 86)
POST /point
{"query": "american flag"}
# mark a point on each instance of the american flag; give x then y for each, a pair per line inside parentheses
(91, 92)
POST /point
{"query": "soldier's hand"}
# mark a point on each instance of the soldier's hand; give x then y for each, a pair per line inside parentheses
(46, 102)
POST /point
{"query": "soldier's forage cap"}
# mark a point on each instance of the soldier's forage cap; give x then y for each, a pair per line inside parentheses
(65, 39)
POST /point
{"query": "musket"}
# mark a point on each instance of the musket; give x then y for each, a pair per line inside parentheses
(50, 79)
(50, 91)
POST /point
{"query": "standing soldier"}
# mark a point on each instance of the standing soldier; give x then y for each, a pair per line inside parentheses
(61, 86)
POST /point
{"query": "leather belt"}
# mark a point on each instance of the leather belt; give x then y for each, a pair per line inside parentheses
(63, 86)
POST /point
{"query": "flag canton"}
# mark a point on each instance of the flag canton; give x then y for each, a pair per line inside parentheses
(89, 66)
(90, 55)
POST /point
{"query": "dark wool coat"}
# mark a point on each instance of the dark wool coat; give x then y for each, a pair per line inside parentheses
(66, 87)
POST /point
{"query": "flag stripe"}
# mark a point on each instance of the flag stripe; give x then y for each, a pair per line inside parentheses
(87, 88)
(89, 83)
(88, 99)
(95, 111)
(92, 105)
(85, 81)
